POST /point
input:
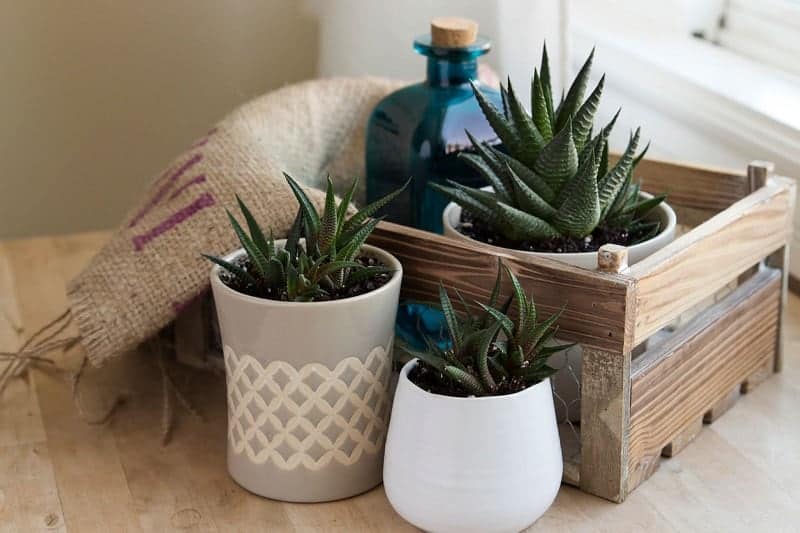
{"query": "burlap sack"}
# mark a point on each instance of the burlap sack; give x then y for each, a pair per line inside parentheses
(151, 268)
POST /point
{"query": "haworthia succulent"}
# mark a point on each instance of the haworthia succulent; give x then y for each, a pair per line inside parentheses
(309, 270)
(479, 360)
(541, 175)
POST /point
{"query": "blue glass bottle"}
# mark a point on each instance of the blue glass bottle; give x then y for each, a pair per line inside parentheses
(418, 131)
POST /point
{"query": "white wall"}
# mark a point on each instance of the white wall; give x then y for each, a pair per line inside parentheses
(96, 96)
(368, 37)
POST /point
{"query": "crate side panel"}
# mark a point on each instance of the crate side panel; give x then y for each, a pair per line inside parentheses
(699, 263)
(676, 384)
(701, 188)
(596, 304)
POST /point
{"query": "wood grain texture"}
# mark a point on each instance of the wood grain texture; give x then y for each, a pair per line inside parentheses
(693, 186)
(721, 406)
(605, 417)
(596, 304)
(699, 263)
(676, 383)
(680, 441)
(739, 475)
(780, 260)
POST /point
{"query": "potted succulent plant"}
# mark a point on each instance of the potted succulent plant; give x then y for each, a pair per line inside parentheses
(473, 443)
(554, 192)
(307, 327)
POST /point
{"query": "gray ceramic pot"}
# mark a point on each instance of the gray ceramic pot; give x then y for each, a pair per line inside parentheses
(308, 398)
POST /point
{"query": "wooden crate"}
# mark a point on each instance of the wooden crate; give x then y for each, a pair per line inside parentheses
(636, 408)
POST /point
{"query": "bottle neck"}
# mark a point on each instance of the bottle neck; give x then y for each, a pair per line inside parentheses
(447, 72)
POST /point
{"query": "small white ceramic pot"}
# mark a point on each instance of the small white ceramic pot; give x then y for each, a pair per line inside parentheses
(566, 382)
(489, 464)
(308, 388)
(451, 217)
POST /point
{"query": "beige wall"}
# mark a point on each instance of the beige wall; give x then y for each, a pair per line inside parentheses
(96, 96)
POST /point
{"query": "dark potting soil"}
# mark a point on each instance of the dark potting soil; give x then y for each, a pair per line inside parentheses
(481, 231)
(272, 293)
(429, 379)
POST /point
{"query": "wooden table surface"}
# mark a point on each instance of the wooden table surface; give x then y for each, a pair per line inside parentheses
(58, 473)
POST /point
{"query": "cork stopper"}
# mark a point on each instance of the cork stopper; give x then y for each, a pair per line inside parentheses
(453, 32)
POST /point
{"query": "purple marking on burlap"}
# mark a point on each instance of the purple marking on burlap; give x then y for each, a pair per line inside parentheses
(164, 189)
(202, 201)
(197, 179)
(203, 140)
(178, 307)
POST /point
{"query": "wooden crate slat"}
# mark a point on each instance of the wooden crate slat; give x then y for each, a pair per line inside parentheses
(676, 383)
(605, 417)
(699, 263)
(701, 188)
(596, 303)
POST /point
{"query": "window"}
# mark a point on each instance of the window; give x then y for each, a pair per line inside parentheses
(767, 31)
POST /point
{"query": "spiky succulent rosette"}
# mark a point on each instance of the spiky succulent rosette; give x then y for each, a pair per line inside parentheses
(554, 178)
(491, 350)
(326, 263)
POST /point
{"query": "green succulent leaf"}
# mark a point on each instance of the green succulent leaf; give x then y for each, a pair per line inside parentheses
(506, 323)
(368, 272)
(522, 226)
(537, 374)
(501, 126)
(487, 154)
(451, 319)
(640, 209)
(428, 357)
(353, 244)
(504, 99)
(467, 308)
(480, 165)
(467, 202)
(234, 269)
(531, 141)
(558, 161)
(580, 211)
(584, 118)
(547, 351)
(547, 89)
(465, 379)
(256, 255)
(612, 182)
(528, 200)
(309, 211)
(330, 221)
(482, 356)
(540, 108)
(569, 105)
(293, 238)
(356, 221)
(535, 336)
(341, 214)
(255, 230)
(527, 175)
(327, 269)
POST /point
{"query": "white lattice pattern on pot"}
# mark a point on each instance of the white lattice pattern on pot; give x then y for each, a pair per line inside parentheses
(308, 416)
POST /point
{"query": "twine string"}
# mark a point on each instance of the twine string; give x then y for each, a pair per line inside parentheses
(34, 347)
(97, 420)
